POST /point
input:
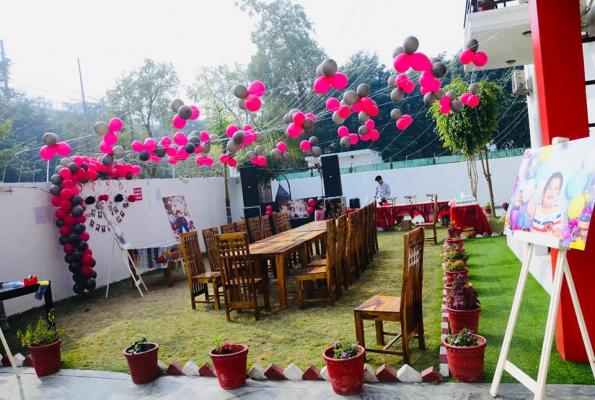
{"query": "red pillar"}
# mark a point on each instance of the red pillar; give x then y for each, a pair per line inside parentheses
(558, 53)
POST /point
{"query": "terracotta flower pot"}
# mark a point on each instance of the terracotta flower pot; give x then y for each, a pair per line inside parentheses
(461, 319)
(231, 368)
(454, 232)
(466, 363)
(453, 242)
(143, 366)
(46, 359)
(448, 287)
(346, 375)
(450, 276)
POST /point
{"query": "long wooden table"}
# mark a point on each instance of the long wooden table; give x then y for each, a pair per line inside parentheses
(311, 227)
(281, 245)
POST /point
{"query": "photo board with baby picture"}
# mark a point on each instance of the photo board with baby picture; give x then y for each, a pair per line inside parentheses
(178, 215)
(554, 193)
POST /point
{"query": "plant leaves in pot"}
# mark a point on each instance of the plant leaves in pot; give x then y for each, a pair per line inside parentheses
(465, 353)
(44, 344)
(230, 362)
(345, 367)
(463, 306)
(142, 357)
(454, 268)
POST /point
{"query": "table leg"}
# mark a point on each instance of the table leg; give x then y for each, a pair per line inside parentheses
(280, 264)
(304, 255)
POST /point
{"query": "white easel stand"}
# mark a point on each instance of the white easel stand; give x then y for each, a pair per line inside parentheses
(8, 352)
(129, 264)
(562, 269)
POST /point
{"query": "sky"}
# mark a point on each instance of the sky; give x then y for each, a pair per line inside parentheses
(44, 38)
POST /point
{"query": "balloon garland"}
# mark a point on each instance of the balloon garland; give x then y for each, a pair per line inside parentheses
(327, 77)
(53, 146)
(471, 55)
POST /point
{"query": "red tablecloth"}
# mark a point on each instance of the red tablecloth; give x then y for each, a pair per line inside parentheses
(471, 215)
(387, 215)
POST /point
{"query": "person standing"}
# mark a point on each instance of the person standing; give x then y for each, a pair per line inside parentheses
(382, 190)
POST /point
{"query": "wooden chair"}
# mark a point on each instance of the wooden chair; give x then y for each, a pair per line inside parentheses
(351, 247)
(342, 266)
(374, 230)
(209, 237)
(198, 277)
(432, 225)
(241, 226)
(320, 269)
(240, 284)
(255, 229)
(228, 228)
(281, 221)
(266, 226)
(406, 309)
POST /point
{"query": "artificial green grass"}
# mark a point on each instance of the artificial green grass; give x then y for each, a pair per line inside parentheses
(494, 271)
(98, 330)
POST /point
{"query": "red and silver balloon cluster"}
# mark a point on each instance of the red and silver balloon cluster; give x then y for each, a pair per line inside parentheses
(356, 101)
(240, 137)
(471, 55)
(249, 98)
(299, 123)
(53, 146)
(471, 98)
(183, 113)
(280, 152)
(327, 77)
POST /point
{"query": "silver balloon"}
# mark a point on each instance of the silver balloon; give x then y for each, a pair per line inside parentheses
(286, 156)
(439, 94)
(363, 117)
(397, 51)
(363, 90)
(56, 179)
(313, 140)
(55, 190)
(319, 70)
(206, 148)
(240, 91)
(363, 130)
(239, 137)
(391, 81)
(185, 112)
(439, 69)
(350, 97)
(429, 98)
(452, 94)
(342, 102)
(456, 106)
(194, 133)
(107, 160)
(275, 154)
(316, 151)
(345, 142)
(50, 139)
(251, 155)
(328, 67)
(259, 137)
(474, 88)
(58, 168)
(65, 161)
(397, 95)
(308, 125)
(242, 104)
(472, 45)
(307, 153)
(101, 128)
(259, 149)
(337, 120)
(195, 140)
(233, 146)
(434, 60)
(159, 151)
(287, 119)
(291, 112)
(410, 44)
(214, 138)
(118, 151)
(175, 105)
(395, 114)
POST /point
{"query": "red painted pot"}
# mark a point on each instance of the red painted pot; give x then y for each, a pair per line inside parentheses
(466, 363)
(448, 286)
(456, 242)
(461, 319)
(46, 359)
(453, 232)
(231, 368)
(450, 276)
(346, 375)
(143, 366)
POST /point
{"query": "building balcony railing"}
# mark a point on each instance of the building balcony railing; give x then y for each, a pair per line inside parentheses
(474, 6)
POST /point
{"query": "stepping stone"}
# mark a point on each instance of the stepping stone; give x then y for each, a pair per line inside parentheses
(275, 373)
(370, 374)
(431, 375)
(293, 373)
(324, 374)
(175, 369)
(257, 372)
(190, 369)
(28, 362)
(311, 374)
(386, 374)
(162, 367)
(444, 370)
(408, 374)
(207, 370)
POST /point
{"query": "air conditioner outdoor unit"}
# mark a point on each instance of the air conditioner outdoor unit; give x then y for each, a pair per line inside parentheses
(520, 86)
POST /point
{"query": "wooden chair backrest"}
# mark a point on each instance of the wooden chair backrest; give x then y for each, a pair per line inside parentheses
(236, 267)
(435, 210)
(411, 290)
(209, 236)
(331, 253)
(228, 228)
(266, 226)
(281, 221)
(341, 240)
(241, 226)
(255, 229)
(192, 254)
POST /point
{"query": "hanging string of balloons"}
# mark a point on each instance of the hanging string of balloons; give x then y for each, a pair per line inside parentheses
(249, 98)
(53, 146)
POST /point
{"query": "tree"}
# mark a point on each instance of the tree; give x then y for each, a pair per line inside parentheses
(470, 131)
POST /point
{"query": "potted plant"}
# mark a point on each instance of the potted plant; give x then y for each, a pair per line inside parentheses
(488, 209)
(453, 230)
(142, 357)
(448, 287)
(453, 241)
(455, 253)
(44, 344)
(463, 306)
(454, 268)
(465, 354)
(230, 361)
(345, 367)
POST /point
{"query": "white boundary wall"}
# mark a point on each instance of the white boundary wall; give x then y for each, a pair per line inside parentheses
(30, 249)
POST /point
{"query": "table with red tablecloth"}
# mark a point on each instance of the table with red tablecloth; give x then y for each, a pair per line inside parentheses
(386, 216)
(469, 215)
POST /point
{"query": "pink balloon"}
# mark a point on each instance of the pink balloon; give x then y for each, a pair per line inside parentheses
(224, 158)
(47, 152)
(480, 59)
(473, 101)
(115, 125)
(344, 111)
(294, 130)
(154, 158)
(353, 138)
(374, 110)
(205, 137)
(408, 118)
(401, 80)
(465, 98)
(401, 124)
(165, 141)
(424, 90)
(370, 124)
(357, 107)
(332, 104)
(402, 62)
(198, 149)
(339, 81)
(231, 129)
(178, 122)
(299, 118)
(105, 148)
(311, 116)
(247, 128)
(200, 160)
(419, 61)
(435, 86)
(311, 203)
(233, 162)
(365, 138)
(426, 79)
(256, 88)
(269, 208)
(135, 170)
(208, 161)
(62, 149)
(466, 57)
(374, 135)
(343, 131)
(310, 210)
(366, 104)
(182, 154)
(409, 87)
(250, 138)
(110, 138)
(322, 84)
(195, 113)
(171, 151)
(180, 139)
(172, 160)
(444, 109)
(282, 147)
(138, 146)
(305, 145)
(269, 213)
(253, 103)
(150, 144)
(445, 101)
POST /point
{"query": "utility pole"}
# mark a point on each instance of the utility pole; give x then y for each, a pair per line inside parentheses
(82, 89)
(4, 70)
